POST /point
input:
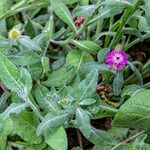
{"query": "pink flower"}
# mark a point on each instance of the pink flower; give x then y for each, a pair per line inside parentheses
(117, 59)
(79, 21)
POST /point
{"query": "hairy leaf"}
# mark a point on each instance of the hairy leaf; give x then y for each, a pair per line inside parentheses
(57, 139)
(63, 13)
(60, 77)
(135, 111)
(83, 121)
(15, 108)
(87, 46)
(25, 125)
(52, 121)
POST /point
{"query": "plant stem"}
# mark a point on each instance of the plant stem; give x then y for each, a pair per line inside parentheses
(146, 36)
(124, 20)
(128, 140)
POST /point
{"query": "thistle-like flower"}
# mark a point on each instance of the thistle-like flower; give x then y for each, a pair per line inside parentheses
(79, 21)
(117, 59)
(14, 34)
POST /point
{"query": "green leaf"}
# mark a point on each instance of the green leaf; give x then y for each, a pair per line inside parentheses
(52, 121)
(147, 11)
(129, 90)
(36, 70)
(127, 3)
(98, 137)
(87, 87)
(102, 68)
(25, 58)
(44, 100)
(9, 73)
(50, 27)
(63, 13)
(4, 97)
(69, 1)
(118, 82)
(102, 54)
(87, 46)
(6, 127)
(40, 39)
(29, 44)
(77, 58)
(46, 66)
(14, 108)
(132, 31)
(83, 121)
(57, 139)
(88, 101)
(143, 24)
(107, 12)
(84, 2)
(84, 11)
(30, 29)
(61, 77)
(59, 63)
(101, 110)
(25, 81)
(137, 72)
(139, 144)
(25, 125)
(135, 111)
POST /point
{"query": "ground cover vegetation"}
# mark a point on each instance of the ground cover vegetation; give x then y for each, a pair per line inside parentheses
(74, 74)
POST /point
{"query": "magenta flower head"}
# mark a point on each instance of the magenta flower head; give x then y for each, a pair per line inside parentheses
(117, 59)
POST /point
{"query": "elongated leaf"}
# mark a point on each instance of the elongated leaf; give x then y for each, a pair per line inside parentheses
(14, 108)
(102, 68)
(84, 2)
(29, 44)
(132, 31)
(83, 121)
(98, 137)
(88, 101)
(63, 13)
(147, 11)
(107, 12)
(25, 125)
(77, 58)
(45, 102)
(142, 24)
(102, 110)
(69, 1)
(118, 82)
(129, 90)
(46, 66)
(139, 143)
(135, 111)
(87, 46)
(30, 28)
(9, 73)
(52, 121)
(137, 73)
(25, 58)
(84, 11)
(102, 54)
(25, 81)
(3, 100)
(60, 77)
(40, 39)
(127, 3)
(87, 87)
(57, 139)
